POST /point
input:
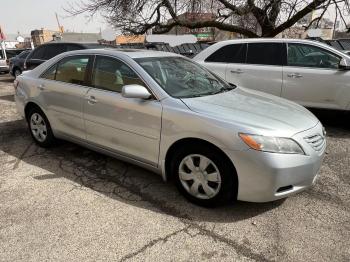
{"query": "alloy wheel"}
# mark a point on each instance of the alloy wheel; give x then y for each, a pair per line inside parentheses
(38, 127)
(199, 176)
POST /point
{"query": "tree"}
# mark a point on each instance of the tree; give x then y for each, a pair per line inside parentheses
(250, 18)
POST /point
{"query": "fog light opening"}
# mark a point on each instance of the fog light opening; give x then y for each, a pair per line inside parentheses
(284, 188)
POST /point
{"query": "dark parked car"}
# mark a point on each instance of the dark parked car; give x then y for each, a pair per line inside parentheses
(49, 50)
(16, 63)
(5, 55)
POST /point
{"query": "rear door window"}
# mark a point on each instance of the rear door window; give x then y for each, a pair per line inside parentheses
(266, 54)
(235, 53)
(72, 70)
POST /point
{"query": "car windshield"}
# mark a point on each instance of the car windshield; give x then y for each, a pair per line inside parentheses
(182, 78)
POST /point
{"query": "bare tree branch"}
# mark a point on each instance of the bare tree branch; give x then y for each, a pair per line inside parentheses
(250, 18)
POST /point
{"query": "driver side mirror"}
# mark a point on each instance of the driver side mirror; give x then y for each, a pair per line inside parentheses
(344, 64)
(135, 91)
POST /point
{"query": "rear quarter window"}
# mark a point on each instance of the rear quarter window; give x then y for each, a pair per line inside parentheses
(235, 53)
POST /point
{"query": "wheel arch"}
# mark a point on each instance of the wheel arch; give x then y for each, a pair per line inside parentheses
(14, 69)
(190, 142)
(29, 106)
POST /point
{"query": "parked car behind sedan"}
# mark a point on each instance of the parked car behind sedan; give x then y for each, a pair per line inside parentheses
(164, 112)
(49, 50)
(16, 63)
(307, 72)
(5, 55)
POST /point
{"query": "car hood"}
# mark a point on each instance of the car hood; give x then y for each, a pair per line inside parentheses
(254, 110)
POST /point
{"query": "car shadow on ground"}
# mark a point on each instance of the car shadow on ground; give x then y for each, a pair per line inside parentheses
(9, 98)
(113, 178)
(124, 182)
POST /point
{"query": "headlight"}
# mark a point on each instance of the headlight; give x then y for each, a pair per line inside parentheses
(272, 144)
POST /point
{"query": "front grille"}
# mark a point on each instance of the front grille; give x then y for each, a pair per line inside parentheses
(317, 141)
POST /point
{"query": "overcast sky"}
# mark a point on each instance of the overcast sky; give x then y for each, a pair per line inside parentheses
(26, 15)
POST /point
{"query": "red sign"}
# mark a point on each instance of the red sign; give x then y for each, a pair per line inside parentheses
(2, 34)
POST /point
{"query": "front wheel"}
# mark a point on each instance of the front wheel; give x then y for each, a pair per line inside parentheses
(40, 128)
(204, 176)
(17, 72)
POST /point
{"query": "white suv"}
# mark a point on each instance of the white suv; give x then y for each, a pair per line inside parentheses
(308, 72)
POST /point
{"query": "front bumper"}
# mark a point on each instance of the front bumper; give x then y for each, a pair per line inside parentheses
(264, 176)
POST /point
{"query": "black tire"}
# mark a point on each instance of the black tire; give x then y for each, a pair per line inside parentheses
(50, 139)
(17, 72)
(229, 183)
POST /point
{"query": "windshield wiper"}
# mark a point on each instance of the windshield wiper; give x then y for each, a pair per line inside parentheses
(223, 89)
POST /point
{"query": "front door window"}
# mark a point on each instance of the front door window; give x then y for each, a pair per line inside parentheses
(301, 55)
(111, 74)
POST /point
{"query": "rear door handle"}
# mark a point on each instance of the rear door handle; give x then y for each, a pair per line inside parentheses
(237, 71)
(41, 87)
(294, 75)
(91, 100)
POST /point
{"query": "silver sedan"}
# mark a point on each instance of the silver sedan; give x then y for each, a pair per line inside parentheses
(216, 141)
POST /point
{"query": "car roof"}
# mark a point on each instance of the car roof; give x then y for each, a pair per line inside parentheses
(270, 40)
(132, 53)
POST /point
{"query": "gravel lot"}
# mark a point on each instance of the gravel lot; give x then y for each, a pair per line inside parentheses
(71, 204)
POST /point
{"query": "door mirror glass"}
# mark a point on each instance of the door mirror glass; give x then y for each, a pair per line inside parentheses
(344, 64)
(135, 91)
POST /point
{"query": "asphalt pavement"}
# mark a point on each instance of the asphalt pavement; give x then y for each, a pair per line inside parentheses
(69, 203)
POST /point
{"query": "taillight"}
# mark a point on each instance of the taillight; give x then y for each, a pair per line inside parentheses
(15, 84)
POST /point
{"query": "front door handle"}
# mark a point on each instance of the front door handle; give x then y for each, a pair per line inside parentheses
(237, 71)
(295, 75)
(91, 100)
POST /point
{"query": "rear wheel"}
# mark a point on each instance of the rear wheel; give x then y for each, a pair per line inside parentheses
(40, 128)
(204, 176)
(17, 72)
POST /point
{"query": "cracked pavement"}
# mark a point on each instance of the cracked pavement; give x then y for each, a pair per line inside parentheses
(69, 203)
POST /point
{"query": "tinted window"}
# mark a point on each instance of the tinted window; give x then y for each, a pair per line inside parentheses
(38, 53)
(72, 69)
(53, 50)
(266, 53)
(311, 56)
(112, 74)
(229, 54)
